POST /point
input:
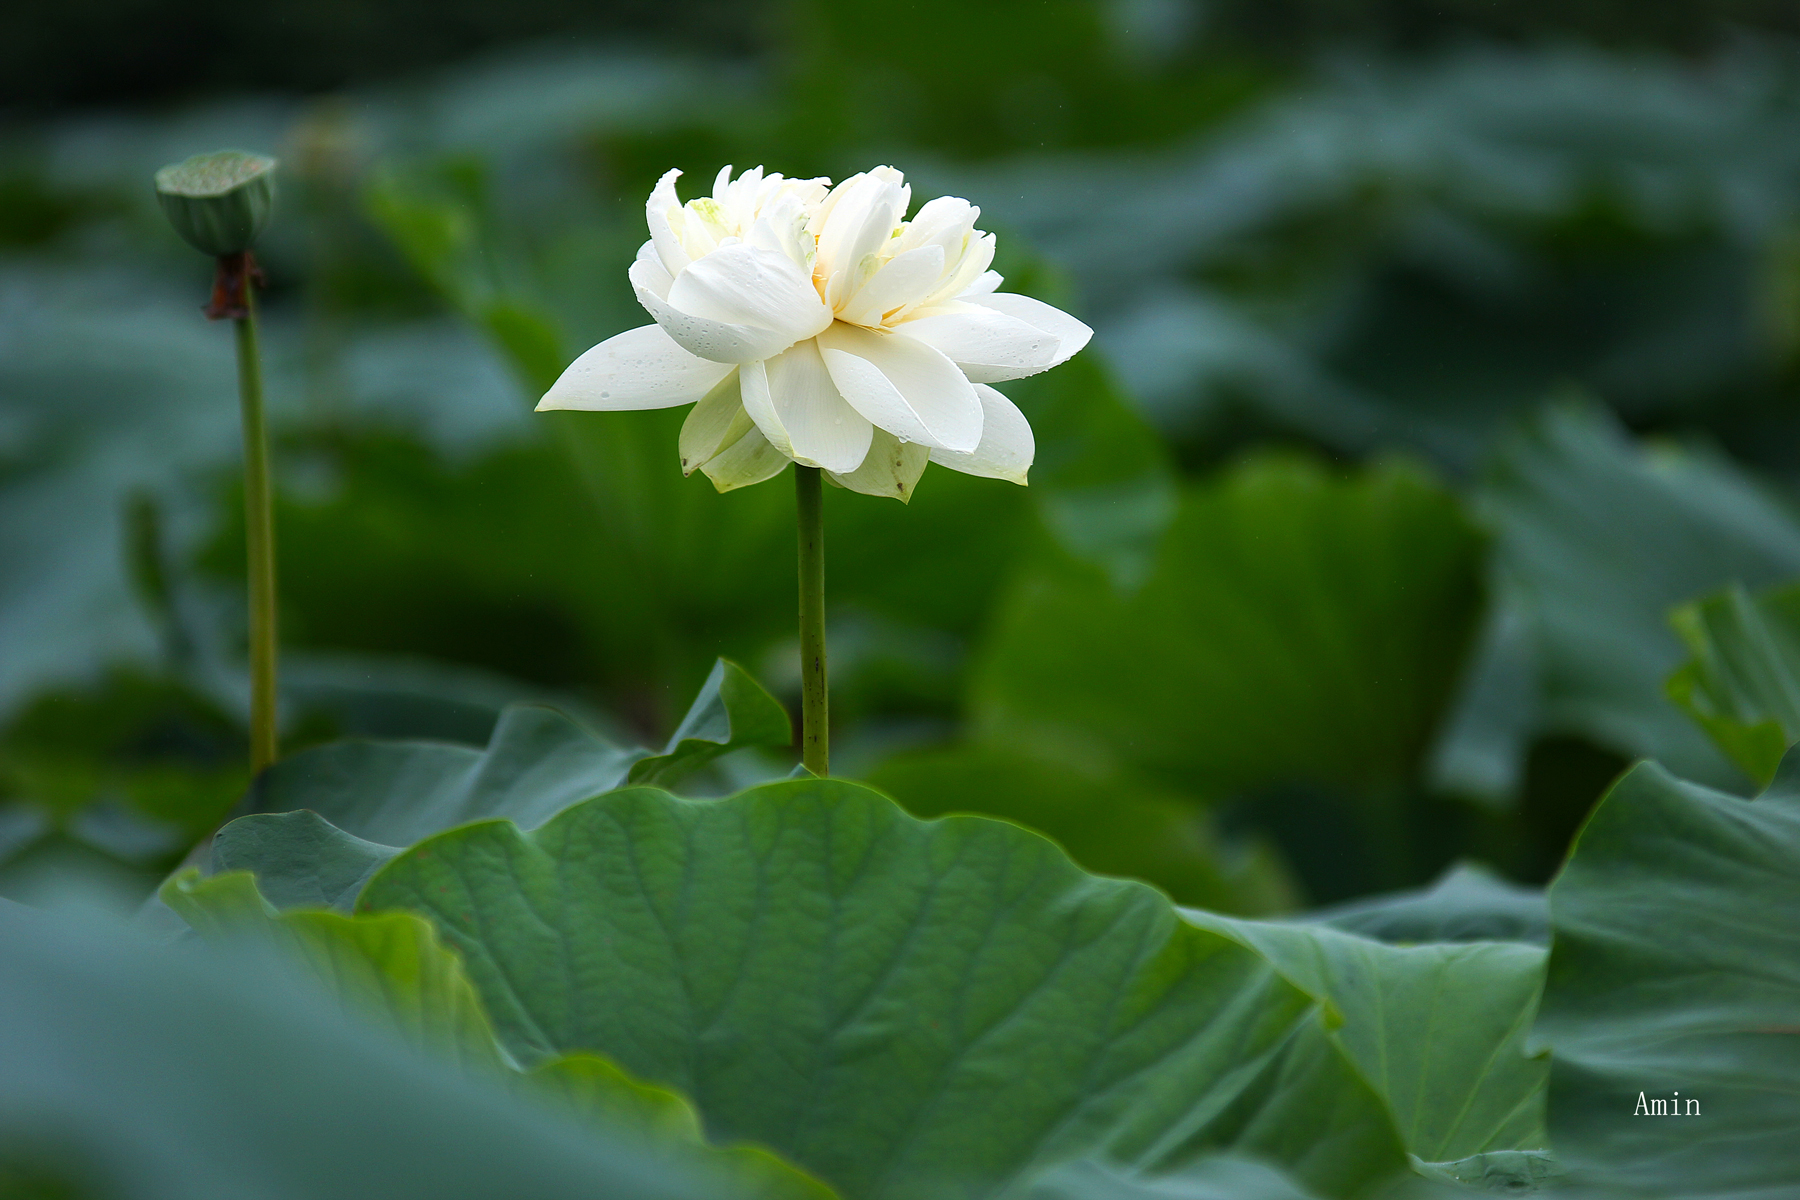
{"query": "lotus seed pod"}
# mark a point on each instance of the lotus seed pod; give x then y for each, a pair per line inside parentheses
(218, 202)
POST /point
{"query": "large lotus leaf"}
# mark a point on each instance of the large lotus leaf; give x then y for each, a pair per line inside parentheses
(1742, 681)
(1439, 1030)
(323, 820)
(152, 1073)
(1599, 539)
(1215, 1177)
(1674, 977)
(1108, 826)
(904, 1008)
(1469, 903)
(392, 969)
(1296, 626)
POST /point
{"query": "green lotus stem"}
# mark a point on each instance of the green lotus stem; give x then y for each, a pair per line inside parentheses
(259, 538)
(815, 736)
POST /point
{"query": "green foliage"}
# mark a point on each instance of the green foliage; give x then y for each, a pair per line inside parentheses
(1597, 539)
(112, 781)
(904, 1008)
(731, 712)
(1469, 903)
(1673, 970)
(1109, 826)
(1438, 1030)
(1218, 1177)
(1401, 255)
(322, 821)
(1742, 683)
(612, 1100)
(1295, 626)
(160, 745)
(1019, 74)
(1104, 482)
(133, 1070)
(391, 969)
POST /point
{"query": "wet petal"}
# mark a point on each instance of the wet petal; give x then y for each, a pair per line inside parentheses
(988, 345)
(720, 341)
(963, 271)
(903, 386)
(793, 400)
(946, 222)
(1072, 334)
(660, 211)
(987, 281)
(754, 287)
(1007, 446)
(855, 220)
(904, 279)
(650, 269)
(640, 368)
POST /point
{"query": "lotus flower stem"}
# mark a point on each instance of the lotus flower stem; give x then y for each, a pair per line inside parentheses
(259, 530)
(815, 736)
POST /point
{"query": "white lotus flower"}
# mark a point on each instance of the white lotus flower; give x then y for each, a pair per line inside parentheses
(824, 329)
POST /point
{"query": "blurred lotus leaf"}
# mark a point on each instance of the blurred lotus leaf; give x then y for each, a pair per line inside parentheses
(321, 822)
(1742, 683)
(1596, 539)
(124, 1069)
(1108, 825)
(1295, 625)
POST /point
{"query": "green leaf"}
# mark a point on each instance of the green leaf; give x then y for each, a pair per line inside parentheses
(1598, 538)
(326, 818)
(732, 711)
(300, 859)
(389, 968)
(1742, 683)
(1296, 626)
(1108, 826)
(904, 1008)
(536, 763)
(1673, 970)
(1215, 1177)
(528, 338)
(598, 1090)
(392, 969)
(1103, 479)
(1515, 1172)
(138, 1070)
(1439, 1030)
(1468, 904)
